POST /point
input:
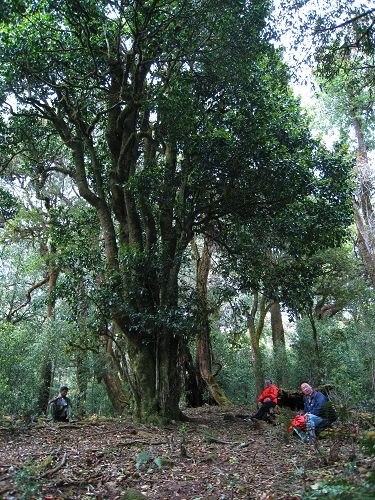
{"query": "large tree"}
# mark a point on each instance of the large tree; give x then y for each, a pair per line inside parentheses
(171, 118)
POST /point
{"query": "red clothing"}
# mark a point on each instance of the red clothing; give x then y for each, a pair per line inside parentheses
(270, 392)
(299, 421)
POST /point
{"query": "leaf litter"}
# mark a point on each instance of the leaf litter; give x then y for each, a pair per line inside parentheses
(208, 457)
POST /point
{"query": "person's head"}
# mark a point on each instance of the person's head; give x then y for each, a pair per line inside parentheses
(267, 382)
(64, 390)
(306, 389)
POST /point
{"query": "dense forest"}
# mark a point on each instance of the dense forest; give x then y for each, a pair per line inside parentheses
(175, 226)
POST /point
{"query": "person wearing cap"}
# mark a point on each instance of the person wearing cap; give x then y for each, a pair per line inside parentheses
(267, 400)
(60, 406)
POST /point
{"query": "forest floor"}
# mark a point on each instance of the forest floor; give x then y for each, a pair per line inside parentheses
(212, 456)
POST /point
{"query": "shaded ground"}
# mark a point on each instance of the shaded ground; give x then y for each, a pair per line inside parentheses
(208, 457)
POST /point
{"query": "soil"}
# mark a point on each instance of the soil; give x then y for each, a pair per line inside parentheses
(214, 455)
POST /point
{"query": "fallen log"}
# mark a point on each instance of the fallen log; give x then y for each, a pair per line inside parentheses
(293, 399)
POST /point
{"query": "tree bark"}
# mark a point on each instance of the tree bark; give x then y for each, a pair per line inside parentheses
(255, 328)
(82, 375)
(317, 374)
(46, 375)
(278, 341)
(47, 364)
(363, 209)
(113, 383)
(204, 349)
(194, 385)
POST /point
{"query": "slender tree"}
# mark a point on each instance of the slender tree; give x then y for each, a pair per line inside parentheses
(204, 349)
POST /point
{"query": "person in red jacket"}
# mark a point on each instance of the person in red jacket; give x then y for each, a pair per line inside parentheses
(267, 400)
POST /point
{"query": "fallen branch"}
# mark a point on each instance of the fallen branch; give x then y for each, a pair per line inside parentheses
(4, 490)
(55, 469)
(138, 441)
(241, 444)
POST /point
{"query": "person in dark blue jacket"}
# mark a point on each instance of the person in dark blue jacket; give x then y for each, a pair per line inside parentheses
(318, 414)
(312, 400)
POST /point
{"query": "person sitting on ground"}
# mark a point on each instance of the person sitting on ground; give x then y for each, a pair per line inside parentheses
(313, 406)
(61, 407)
(312, 400)
(267, 400)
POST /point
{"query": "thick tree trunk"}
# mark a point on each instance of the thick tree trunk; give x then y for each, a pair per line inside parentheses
(278, 341)
(46, 375)
(169, 383)
(204, 350)
(157, 377)
(142, 356)
(115, 392)
(113, 382)
(194, 386)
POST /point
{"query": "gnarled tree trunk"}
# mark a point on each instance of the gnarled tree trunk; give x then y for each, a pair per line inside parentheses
(113, 382)
(194, 385)
(204, 350)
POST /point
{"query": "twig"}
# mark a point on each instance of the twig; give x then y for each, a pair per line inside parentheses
(138, 441)
(242, 444)
(4, 490)
(57, 468)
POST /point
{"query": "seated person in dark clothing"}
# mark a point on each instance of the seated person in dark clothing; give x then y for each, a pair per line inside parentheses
(318, 413)
(317, 405)
(60, 407)
(312, 400)
(268, 399)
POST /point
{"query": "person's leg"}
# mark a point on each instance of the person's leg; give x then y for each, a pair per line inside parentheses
(53, 411)
(264, 409)
(312, 422)
(324, 424)
(315, 420)
(300, 434)
(64, 416)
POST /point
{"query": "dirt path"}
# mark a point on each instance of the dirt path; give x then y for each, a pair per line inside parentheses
(225, 459)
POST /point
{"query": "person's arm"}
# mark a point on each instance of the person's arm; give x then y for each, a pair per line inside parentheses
(262, 396)
(274, 393)
(319, 399)
(305, 405)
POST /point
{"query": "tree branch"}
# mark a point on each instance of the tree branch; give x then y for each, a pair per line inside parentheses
(345, 23)
(36, 285)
